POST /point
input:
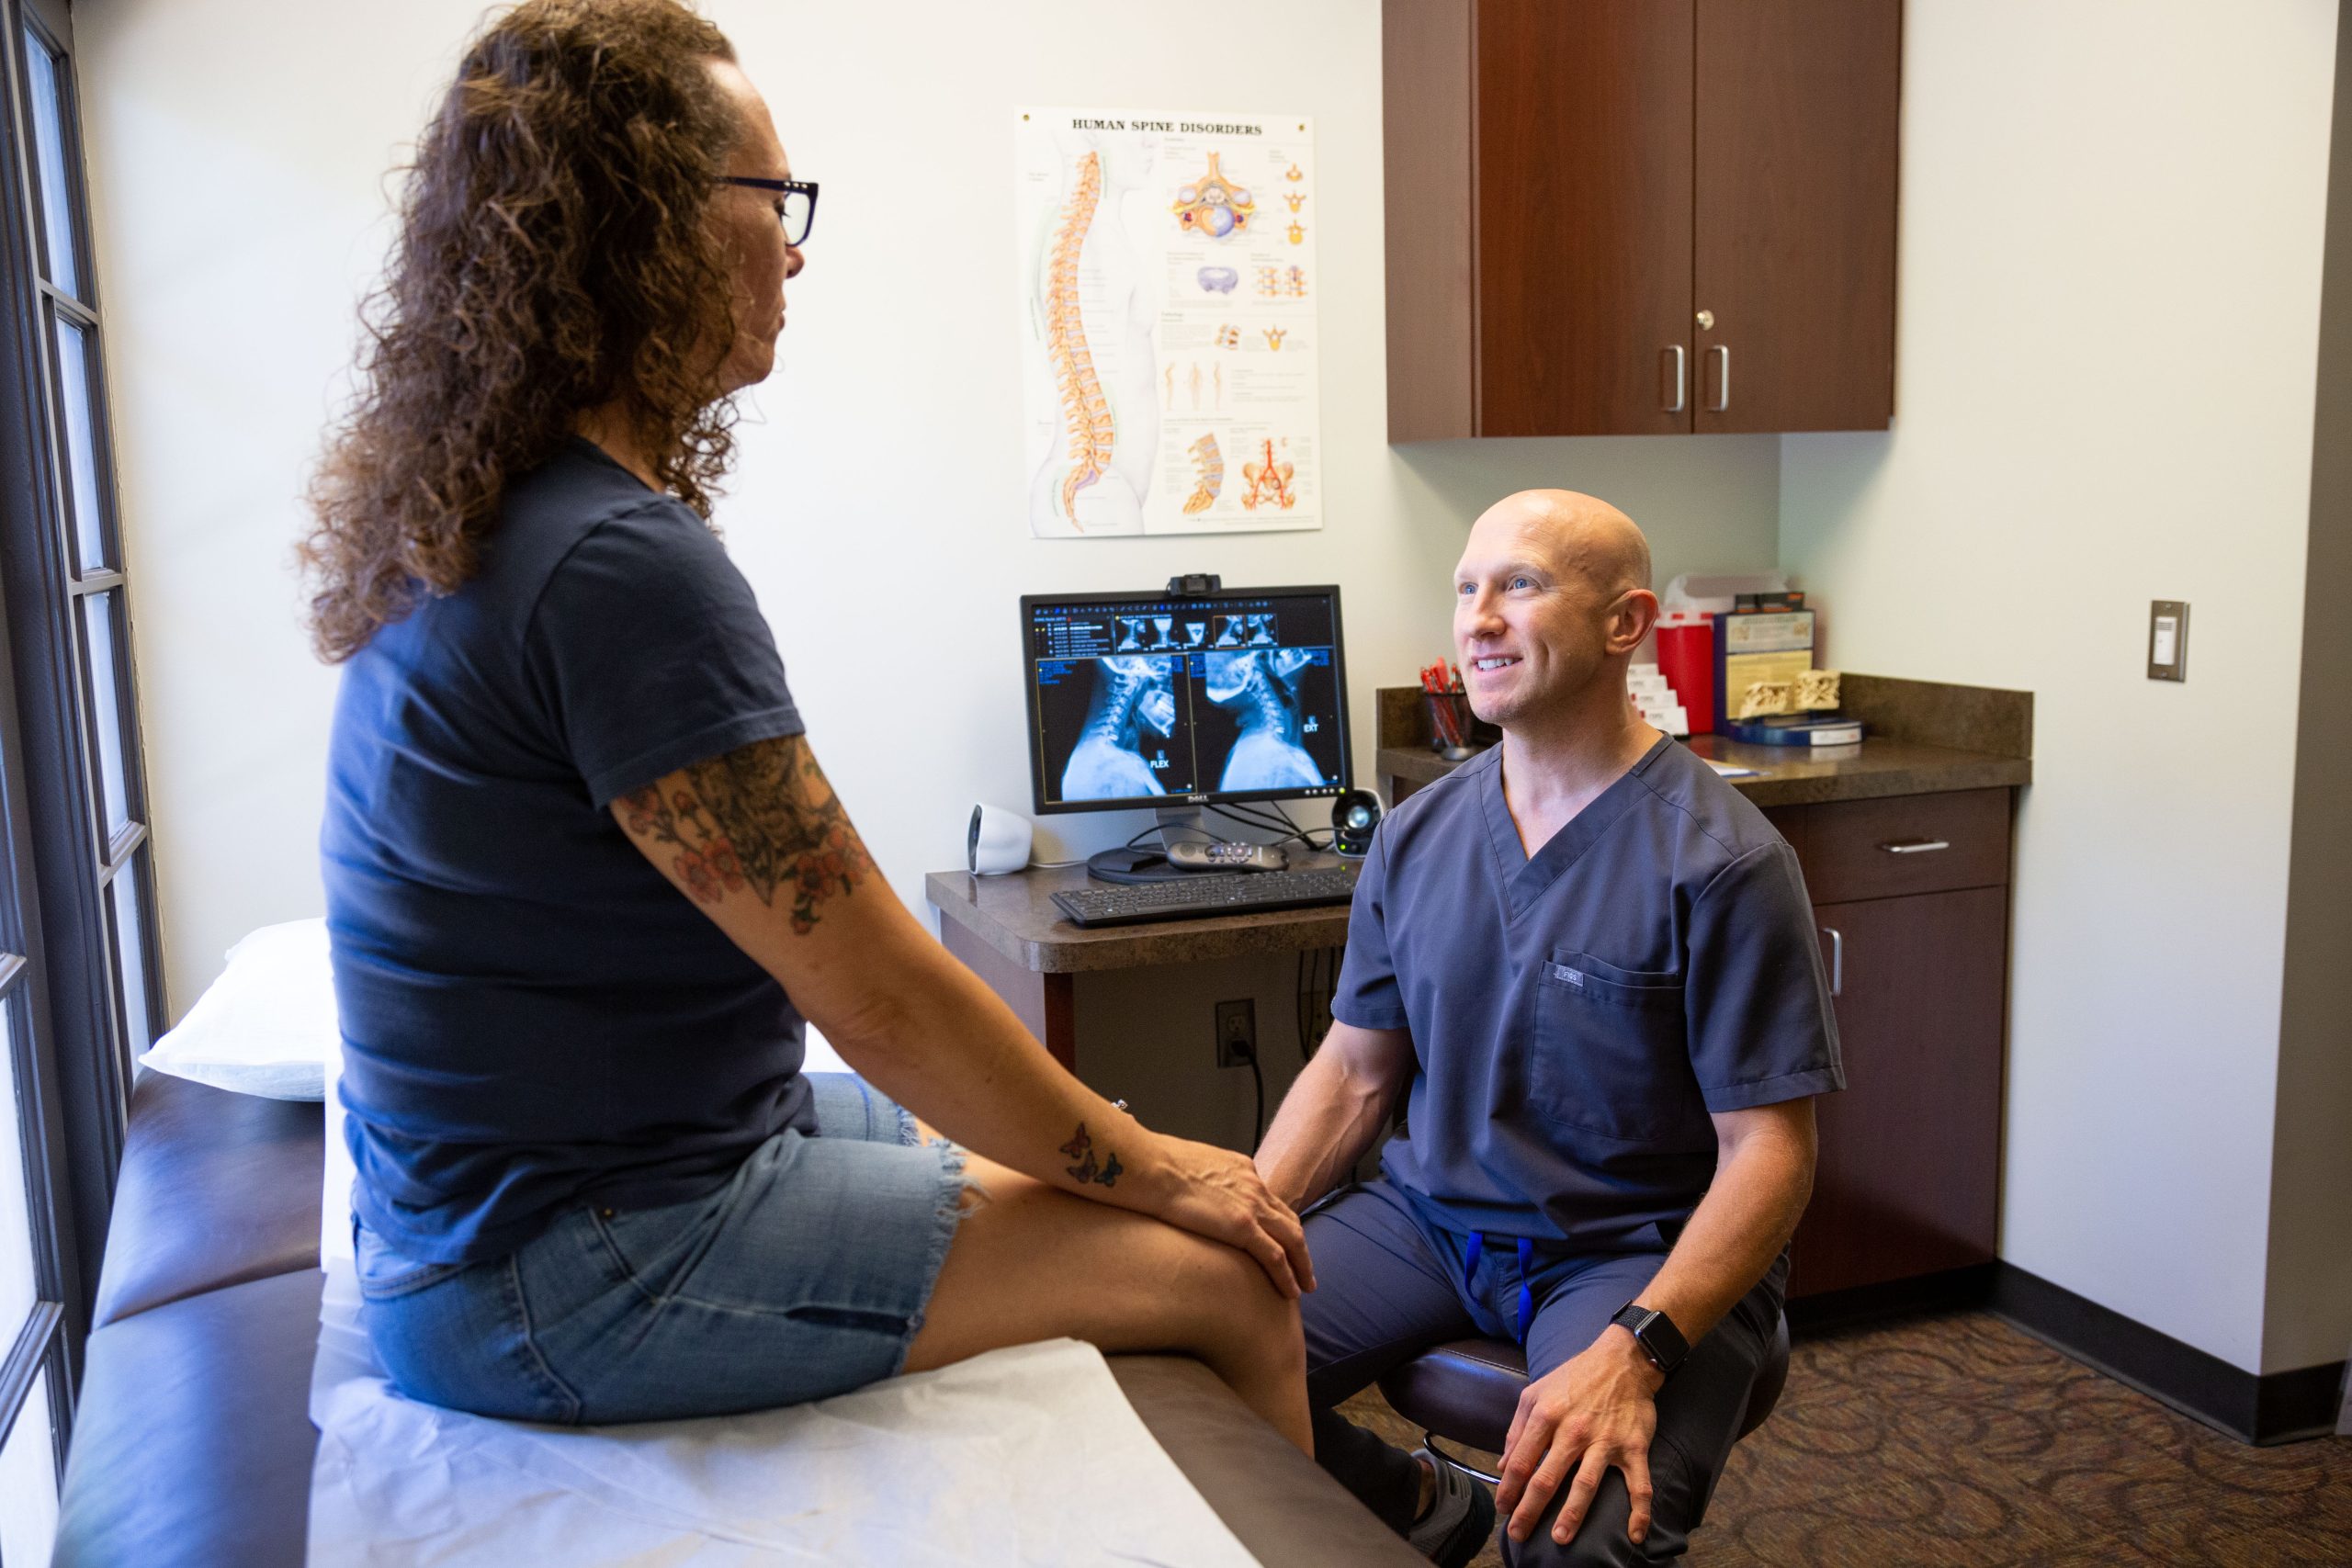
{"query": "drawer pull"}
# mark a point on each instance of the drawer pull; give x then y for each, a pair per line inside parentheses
(1837, 960)
(1917, 846)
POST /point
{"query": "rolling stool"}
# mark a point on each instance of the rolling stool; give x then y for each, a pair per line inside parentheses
(1466, 1391)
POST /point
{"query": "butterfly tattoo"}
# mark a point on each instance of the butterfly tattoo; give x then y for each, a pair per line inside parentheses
(1080, 1148)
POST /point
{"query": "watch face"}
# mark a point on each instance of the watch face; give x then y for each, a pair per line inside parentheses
(1655, 1333)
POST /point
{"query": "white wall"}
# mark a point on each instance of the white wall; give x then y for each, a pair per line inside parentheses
(2111, 248)
(238, 150)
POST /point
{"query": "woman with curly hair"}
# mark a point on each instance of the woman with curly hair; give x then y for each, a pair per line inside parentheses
(585, 879)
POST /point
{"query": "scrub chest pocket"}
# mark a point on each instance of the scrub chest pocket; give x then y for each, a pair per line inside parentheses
(1608, 1049)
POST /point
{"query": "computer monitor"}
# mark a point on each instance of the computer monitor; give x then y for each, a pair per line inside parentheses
(1193, 699)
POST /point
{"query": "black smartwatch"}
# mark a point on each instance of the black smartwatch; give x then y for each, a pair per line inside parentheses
(1654, 1332)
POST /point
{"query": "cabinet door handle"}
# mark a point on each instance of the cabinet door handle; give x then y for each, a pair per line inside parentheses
(1917, 846)
(1679, 378)
(1837, 960)
(1722, 375)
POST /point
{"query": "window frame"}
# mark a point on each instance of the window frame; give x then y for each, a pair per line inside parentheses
(70, 1040)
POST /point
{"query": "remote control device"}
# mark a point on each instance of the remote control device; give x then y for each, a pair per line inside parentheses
(1226, 856)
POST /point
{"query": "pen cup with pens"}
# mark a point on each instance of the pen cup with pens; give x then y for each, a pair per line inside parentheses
(1450, 716)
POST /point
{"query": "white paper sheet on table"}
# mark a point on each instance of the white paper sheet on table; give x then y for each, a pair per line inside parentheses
(1030, 1455)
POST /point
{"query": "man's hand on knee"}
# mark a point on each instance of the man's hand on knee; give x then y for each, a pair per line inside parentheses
(1590, 1413)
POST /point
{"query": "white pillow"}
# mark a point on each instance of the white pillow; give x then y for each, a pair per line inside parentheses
(267, 1025)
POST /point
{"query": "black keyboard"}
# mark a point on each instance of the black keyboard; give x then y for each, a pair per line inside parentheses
(1208, 893)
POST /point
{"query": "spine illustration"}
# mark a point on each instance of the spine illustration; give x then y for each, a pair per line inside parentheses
(1213, 205)
(1208, 478)
(1085, 409)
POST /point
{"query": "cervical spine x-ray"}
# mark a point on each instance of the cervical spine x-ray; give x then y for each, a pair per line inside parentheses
(1260, 690)
(1136, 702)
(1122, 748)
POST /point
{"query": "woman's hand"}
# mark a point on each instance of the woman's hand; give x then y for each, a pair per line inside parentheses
(1217, 1193)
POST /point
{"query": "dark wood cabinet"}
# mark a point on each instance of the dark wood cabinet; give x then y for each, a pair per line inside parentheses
(1584, 246)
(1911, 898)
(1574, 185)
(1908, 1179)
(1793, 221)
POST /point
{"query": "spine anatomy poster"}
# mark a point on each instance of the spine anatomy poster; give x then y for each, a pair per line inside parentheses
(1168, 284)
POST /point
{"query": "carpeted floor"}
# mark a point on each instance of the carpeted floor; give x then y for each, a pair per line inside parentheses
(1958, 1440)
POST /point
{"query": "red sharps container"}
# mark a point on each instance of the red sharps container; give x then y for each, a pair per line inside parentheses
(1686, 657)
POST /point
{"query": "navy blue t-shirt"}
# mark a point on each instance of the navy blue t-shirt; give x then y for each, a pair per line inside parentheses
(1577, 1014)
(531, 1015)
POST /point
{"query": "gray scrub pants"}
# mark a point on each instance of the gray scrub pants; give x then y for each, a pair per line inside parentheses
(1389, 1285)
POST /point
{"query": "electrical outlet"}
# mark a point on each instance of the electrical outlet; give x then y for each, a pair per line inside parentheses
(1237, 1033)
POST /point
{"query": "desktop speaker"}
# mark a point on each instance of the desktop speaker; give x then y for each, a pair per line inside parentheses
(1353, 817)
(999, 840)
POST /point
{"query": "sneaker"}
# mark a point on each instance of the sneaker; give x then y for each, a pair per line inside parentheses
(1461, 1516)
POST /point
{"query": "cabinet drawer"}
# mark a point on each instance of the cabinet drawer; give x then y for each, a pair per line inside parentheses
(1907, 843)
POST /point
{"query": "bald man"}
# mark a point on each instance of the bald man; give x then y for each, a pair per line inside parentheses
(1590, 965)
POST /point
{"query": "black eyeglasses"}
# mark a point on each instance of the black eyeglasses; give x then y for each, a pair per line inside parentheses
(800, 203)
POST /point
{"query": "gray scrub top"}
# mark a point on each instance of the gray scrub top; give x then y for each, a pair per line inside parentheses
(1577, 1014)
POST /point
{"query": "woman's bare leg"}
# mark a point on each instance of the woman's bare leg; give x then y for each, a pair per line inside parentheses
(1029, 1262)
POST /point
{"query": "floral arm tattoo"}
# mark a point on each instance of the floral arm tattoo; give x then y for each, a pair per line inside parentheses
(762, 818)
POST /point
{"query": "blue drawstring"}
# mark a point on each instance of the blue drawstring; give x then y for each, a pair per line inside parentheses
(1526, 1291)
(1476, 1250)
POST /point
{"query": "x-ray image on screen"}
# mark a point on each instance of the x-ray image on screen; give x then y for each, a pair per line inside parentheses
(1151, 634)
(1268, 719)
(1245, 631)
(1107, 725)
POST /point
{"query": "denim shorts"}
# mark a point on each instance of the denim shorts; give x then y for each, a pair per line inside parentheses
(804, 1276)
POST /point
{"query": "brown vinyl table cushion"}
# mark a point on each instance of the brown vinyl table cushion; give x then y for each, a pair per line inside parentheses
(217, 1189)
(192, 1443)
(1466, 1391)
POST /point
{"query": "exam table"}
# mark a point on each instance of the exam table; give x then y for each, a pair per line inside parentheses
(192, 1442)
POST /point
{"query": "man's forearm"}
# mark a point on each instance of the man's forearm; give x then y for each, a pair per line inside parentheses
(1333, 1112)
(1750, 1211)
